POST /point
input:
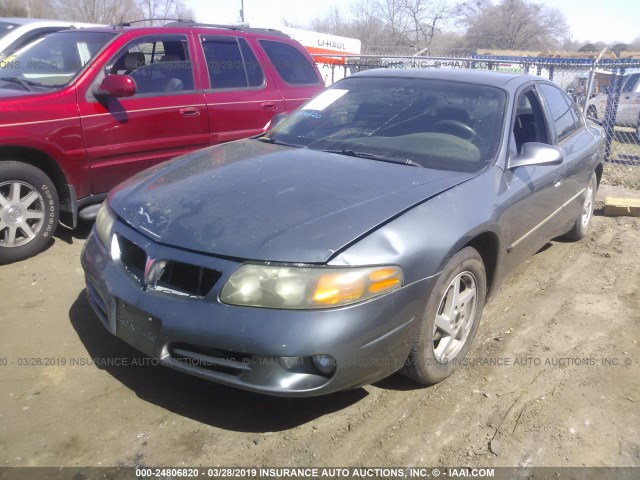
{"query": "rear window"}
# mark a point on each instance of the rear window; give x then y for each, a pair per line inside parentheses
(231, 63)
(292, 66)
(565, 116)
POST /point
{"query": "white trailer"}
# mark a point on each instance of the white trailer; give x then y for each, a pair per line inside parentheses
(319, 44)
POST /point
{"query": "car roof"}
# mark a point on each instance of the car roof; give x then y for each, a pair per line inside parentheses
(483, 77)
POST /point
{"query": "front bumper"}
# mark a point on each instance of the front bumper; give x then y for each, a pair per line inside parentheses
(262, 350)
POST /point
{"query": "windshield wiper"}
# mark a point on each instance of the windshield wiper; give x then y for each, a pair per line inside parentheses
(373, 156)
(26, 84)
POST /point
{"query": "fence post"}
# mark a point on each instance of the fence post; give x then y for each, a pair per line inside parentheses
(615, 87)
(592, 77)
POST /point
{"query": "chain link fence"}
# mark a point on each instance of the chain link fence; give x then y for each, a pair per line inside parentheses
(607, 90)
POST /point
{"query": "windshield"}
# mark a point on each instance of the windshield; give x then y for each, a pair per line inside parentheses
(51, 61)
(6, 28)
(415, 121)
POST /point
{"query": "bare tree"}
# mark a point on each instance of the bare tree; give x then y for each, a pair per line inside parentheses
(369, 27)
(26, 8)
(94, 11)
(391, 12)
(390, 24)
(365, 25)
(424, 18)
(117, 11)
(512, 25)
(160, 9)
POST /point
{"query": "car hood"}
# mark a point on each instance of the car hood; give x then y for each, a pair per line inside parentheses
(252, 200)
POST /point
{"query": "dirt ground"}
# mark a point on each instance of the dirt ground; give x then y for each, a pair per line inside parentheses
(553, 379)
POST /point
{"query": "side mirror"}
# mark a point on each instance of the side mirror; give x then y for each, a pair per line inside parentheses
(116, 86)
(534, 153)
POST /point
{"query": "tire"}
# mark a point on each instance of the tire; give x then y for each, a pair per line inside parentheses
(435, 354)
(592, 112)
(581, 226)
(29, 210)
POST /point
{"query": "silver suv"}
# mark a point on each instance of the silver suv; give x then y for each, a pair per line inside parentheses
(628, 114)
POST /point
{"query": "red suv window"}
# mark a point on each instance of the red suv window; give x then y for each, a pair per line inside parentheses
(231, 63)
(290, 64)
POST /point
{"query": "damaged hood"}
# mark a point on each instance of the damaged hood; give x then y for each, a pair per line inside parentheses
(252, 200)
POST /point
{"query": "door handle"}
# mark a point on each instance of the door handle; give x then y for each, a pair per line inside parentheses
(268, 106)
(190, 111)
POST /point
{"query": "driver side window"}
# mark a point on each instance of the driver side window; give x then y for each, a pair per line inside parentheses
(158, 65)
(529, 123)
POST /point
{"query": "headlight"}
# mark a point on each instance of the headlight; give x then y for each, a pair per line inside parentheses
(272, 286)
(104, 224)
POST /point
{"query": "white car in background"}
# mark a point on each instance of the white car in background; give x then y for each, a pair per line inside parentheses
(628, 113)
(17, 32)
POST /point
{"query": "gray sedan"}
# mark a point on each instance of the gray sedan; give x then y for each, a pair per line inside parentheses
(359, 236)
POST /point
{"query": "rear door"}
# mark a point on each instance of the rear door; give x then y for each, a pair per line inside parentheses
(295, 74)
(241, 97)
(578, 147)
(165, 118)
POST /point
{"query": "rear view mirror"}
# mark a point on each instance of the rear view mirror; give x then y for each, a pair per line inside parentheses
(116, 86)
(534, 153)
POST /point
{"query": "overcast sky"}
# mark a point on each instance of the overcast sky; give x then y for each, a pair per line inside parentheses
(593, 20)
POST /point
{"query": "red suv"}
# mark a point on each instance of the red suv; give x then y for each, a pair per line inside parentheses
(81, 110)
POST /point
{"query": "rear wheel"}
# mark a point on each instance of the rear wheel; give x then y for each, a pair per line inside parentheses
(29, 211)
(452, 315)
(580, 228)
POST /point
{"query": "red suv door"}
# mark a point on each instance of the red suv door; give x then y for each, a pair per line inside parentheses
(241, 97)
(295, 74)
(166, 117)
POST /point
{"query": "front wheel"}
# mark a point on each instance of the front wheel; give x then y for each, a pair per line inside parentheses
(29, 211)
(452, 316)
(581, 226)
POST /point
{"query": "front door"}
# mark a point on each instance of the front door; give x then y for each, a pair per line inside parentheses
(166, 117)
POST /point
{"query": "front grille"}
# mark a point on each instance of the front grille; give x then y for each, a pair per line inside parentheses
(177, 277)
(187, 278)
(210, 359)
(133, 257)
